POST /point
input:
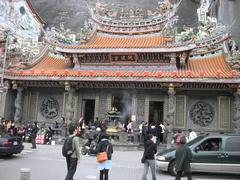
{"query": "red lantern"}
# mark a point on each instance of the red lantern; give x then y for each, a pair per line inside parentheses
(189, 73)
(66, 72)
(91, 73)
(54, 72)
(201, 73)
(219, 73)
(118, 73)
(21, 72)
(131, 73)
(146, 73)
(104, 73)
(234, 73)
(42, 71)
(159, 73)
(174, 74)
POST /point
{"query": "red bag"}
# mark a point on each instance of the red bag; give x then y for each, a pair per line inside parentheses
(102, 156)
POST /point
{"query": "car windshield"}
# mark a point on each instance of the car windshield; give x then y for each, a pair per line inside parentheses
(195, 140)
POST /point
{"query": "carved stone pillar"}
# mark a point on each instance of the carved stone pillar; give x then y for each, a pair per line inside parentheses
(18, 105)
(170, 114)
(69, 106)
(236, 118)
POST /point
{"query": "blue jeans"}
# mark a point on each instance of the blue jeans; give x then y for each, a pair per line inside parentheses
(148, 163)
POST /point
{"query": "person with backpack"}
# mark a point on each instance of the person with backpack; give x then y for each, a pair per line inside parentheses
(104, 145)
(71, 151)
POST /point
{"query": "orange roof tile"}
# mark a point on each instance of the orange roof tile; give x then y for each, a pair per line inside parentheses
(204, 67)
(100, 41)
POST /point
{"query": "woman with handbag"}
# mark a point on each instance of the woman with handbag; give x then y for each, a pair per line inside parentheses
(104, 152)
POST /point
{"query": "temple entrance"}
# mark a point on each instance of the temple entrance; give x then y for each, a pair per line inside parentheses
(155, 112)
(88, 111)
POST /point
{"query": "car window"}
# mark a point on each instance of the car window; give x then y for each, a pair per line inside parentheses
(233, 144)
(212, 144)
(199, 138)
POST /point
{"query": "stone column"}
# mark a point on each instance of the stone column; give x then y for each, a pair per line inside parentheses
(170, 114)
(69, 107)
(18, 105)
(236, 118)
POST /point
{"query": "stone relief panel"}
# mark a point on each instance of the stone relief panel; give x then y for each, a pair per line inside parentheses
(202, 113)
(49, 107)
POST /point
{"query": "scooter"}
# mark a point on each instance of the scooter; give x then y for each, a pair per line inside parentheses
(89, 148)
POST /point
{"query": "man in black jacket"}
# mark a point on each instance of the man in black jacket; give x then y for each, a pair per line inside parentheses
(150, 149)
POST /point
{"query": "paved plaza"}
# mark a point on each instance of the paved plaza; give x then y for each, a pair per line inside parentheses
(47, 163)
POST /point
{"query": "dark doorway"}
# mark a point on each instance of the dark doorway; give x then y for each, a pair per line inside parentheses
(89, 108)
(155, 112)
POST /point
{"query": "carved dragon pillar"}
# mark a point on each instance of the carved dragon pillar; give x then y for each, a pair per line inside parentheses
(170, 114)
(18, 105)
(69, 106)
(236, 118)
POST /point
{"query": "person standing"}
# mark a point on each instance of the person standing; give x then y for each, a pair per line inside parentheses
(104, 145)
(162, 132)
(33, 135)
(183, 159)
(72, 160)
(150, 149)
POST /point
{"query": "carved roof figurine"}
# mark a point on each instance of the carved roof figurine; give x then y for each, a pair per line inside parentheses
(128, 45)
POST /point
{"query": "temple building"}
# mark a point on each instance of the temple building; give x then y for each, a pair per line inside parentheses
(124, 64)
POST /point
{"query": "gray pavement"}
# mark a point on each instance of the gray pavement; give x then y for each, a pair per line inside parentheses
(47, 163)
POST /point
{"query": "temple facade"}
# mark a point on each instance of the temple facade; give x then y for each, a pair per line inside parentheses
(122, 66)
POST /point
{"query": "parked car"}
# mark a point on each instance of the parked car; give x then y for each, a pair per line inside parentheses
(10, 145)
(212, 153)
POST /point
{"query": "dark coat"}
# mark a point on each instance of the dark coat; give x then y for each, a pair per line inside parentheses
(150, 148)
(183, 158)
(102, 146)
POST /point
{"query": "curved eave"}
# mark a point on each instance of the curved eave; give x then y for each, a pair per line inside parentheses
(166, 49)
(126, 79)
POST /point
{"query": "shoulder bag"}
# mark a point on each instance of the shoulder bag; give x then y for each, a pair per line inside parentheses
(102, 156)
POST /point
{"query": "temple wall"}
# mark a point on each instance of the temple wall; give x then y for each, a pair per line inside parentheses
(204, 111)
(207, 111)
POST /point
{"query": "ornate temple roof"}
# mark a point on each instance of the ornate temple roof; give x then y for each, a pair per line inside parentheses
(211, 68)
(201, 56)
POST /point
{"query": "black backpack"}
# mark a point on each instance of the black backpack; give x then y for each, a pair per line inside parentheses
(67, 149)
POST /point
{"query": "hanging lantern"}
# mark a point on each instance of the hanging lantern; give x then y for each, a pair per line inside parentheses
(42, 71)
(146, 73)
(21, 72)
(91, 73)
(189, 73)
(201, 73)
(118, 73)
(104, 73)
(159, 73)
(66, 72)
(174, 74)
(219, 73)
(32, 71)
(131, 73)
(234, 73)
(54, 72)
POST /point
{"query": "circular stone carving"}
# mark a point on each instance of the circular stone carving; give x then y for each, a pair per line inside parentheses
(49, 108)
(202, 114)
